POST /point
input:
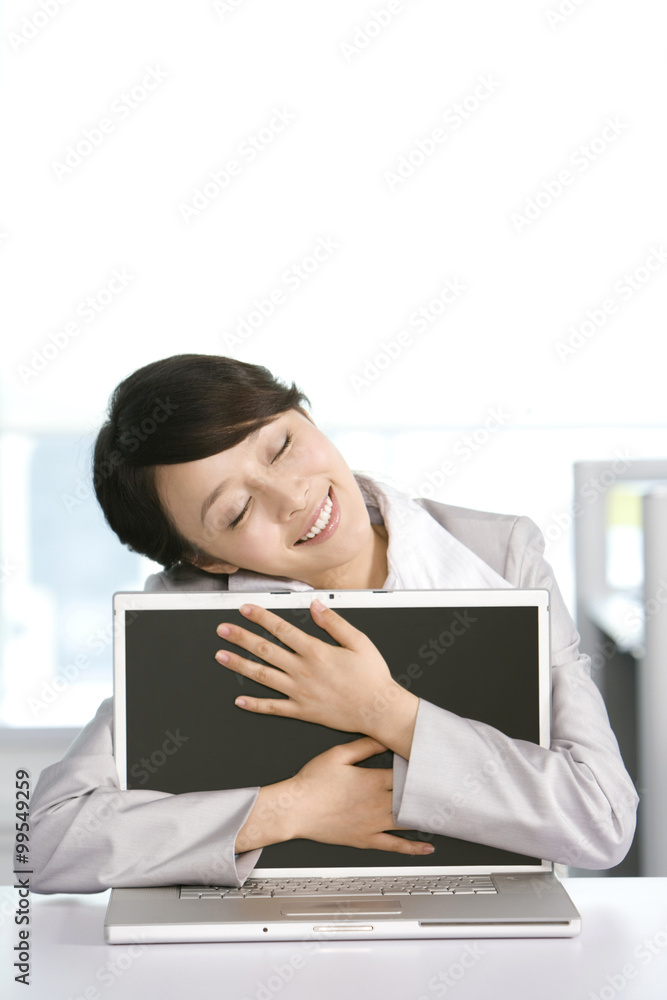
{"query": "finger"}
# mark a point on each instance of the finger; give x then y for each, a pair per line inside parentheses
(289, 634)
(338, 628)
(283, 707)
(399, 845)
(259, 672)
(361, 749)
(257, 644)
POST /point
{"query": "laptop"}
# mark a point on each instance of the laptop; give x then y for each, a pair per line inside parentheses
(483, 654)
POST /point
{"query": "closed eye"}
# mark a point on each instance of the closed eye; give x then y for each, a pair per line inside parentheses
(237, 520)
(286, 444)
(288, 441)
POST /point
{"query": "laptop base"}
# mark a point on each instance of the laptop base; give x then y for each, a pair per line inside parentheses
(525, 906)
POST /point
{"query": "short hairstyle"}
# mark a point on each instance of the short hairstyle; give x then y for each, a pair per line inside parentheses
(180, 409)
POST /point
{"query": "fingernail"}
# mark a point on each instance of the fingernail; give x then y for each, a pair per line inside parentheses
(317, 604)
(241, 702)
(222, 657)
(246, 609)
(224, 630)
(428, 849)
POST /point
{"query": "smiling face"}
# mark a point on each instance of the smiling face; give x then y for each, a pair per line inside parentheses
(282, 502)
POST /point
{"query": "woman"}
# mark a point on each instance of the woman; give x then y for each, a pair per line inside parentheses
(213, 468)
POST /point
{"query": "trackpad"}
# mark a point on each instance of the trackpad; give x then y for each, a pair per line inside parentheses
(309, 907)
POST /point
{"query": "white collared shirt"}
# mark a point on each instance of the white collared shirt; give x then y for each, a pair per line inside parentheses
(421, 554)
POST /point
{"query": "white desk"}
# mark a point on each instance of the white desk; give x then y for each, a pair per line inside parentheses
(621, 952)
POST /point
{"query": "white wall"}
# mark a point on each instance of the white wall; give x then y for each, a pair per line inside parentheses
(530, 223)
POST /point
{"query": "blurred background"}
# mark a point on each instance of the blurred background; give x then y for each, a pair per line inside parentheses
(445, 222)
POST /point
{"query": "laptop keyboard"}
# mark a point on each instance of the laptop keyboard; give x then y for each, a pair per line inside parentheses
(411, 885)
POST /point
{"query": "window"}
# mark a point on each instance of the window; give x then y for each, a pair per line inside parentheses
(61, 563)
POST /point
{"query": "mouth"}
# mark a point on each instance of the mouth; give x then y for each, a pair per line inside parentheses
(324, 523)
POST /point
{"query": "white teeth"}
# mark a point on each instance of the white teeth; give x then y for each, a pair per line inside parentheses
(321, 522)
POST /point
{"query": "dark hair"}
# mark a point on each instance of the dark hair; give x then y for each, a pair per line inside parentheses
(180, 409)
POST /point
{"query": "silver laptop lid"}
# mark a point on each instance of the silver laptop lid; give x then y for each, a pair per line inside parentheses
(483, 654)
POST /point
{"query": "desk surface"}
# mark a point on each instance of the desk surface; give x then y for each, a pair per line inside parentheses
(621, 951)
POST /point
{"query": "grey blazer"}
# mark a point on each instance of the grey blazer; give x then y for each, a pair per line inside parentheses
(573, 803)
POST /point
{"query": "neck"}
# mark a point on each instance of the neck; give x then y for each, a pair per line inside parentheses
(367, 571)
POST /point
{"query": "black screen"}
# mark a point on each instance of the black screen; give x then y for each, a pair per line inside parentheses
(185, 734)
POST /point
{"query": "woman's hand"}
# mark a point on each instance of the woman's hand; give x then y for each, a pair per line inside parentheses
(346, 687)
(331, 801)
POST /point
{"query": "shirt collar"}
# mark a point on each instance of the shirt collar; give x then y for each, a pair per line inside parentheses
(421, 554)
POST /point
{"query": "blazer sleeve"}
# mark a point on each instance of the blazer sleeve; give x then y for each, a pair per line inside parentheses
(573, 803)
(88, 835)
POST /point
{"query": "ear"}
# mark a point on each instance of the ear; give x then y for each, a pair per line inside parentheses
(213, 565)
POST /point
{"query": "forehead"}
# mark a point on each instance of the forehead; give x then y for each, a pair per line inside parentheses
(190, 478)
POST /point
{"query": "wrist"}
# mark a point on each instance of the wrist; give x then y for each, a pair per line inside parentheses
(391, 717)
(271, 820)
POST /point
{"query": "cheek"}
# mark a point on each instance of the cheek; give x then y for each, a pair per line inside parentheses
(257, 545)
(320, 454)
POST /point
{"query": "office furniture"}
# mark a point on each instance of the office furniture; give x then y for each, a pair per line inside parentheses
(624, 630)
(621, 951)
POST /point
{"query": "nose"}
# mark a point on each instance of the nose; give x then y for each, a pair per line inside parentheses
(289, 495)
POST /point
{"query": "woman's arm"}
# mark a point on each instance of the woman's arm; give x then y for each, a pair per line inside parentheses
(347, 687)
(573, 803)
(87, 834)
(331, 801)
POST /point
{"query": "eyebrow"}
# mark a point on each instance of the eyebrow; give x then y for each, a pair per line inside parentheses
(210, 500)
(212, 497)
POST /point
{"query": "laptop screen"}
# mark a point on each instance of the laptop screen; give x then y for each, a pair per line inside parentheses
(183, 732)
